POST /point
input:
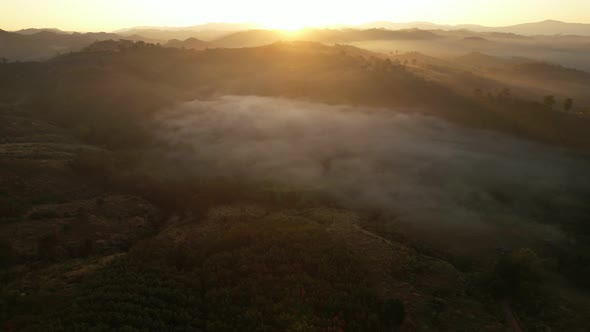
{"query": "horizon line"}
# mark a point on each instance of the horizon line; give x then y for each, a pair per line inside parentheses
(262, 26)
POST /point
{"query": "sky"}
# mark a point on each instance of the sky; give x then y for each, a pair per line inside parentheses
(109, 15)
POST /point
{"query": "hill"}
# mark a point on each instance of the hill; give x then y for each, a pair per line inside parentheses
(530, 77)
(190, 43)
(562, 49)
(250, 38)
(485, 60)
(34, 31)
(344, 36)
(263, 37)
(43, 44)
(206, 32)
(548, 27)
(476, 39)
(292, 186)
(338, 74)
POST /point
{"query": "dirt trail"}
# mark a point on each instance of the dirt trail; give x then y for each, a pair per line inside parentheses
(510, 316)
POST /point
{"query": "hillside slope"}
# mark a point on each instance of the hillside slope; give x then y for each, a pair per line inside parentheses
(106, 227)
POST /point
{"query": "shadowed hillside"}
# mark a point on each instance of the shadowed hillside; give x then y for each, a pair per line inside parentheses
(110, 73)
(45, 43)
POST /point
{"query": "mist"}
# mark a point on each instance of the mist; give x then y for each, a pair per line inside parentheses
(450, 184)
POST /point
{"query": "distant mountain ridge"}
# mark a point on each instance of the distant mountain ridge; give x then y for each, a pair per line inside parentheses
(41, 44)
(384, 37)
(190, 43)
(212, 31)
(219, 26)
(32, 31)
(208, 31)
(547, 27)
(216, 29)
(251, 38)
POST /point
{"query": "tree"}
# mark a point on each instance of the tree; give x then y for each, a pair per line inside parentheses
(568, 104)
(516, 273)
(47, 245)
(549, 101)
(505, 93)
(387, 64)
(86, 248)
(7, 254)
(392, 313)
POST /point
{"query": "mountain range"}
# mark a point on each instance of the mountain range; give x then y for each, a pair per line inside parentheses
(547, 27)
(553, 41)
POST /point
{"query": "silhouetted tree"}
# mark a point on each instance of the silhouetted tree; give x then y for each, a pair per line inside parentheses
(568, 104)
(515, 272)
(86, 248)
(505, 93)
(47, 245)
(438, 305)
(393, 314)
(387, 64)
(6, 253)
(549, 101)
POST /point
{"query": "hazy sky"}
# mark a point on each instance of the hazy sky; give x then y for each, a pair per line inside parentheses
(107, 15)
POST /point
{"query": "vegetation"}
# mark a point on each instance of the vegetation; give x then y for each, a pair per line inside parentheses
(568, 104)
(97, 235)
(549, 101)
(270, 273)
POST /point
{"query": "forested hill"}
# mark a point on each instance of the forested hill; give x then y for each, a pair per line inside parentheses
(124, 79)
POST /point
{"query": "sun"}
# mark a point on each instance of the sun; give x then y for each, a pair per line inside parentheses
(287, 24)
(294, 16)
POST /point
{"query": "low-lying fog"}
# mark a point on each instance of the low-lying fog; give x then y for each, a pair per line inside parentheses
(449, 182)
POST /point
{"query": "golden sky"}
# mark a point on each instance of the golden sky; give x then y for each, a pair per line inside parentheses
(108, 15)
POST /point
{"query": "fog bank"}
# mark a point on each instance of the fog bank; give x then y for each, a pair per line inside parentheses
(430, 174)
